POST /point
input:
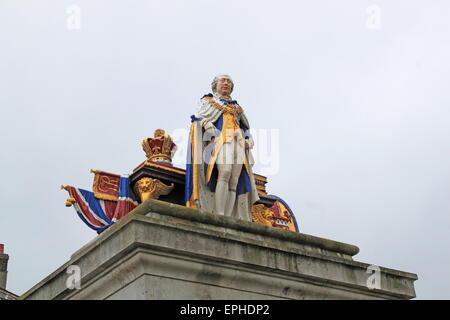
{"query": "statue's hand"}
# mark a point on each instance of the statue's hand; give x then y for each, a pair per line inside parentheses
(249, 143)
(211, 132)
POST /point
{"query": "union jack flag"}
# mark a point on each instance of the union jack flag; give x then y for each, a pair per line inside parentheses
(99, 214)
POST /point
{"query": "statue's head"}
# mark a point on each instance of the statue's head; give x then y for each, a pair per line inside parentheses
(223, 85)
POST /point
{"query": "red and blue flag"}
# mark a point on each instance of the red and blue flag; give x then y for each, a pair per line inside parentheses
(99, 214)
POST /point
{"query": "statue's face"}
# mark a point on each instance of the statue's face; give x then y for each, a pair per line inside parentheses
(224, 86)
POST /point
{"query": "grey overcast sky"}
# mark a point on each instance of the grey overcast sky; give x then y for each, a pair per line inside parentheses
(358, 91)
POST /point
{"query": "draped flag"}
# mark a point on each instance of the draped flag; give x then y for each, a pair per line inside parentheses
(92, 208)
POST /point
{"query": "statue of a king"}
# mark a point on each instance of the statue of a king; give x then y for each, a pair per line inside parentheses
(219, 176)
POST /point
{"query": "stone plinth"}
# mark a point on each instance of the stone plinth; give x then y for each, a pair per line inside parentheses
(167, 251)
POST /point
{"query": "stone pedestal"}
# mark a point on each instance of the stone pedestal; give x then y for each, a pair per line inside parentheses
(166, 251)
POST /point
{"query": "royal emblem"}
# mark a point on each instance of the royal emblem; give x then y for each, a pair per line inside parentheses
(278, 216)
(106, 185)
(160, 148)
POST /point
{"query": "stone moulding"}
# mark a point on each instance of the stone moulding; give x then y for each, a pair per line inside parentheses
(228, 222)
(166, 251)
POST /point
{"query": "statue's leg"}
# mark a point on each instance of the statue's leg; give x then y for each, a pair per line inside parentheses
(234, 179)
(224, 173)
(235, 173)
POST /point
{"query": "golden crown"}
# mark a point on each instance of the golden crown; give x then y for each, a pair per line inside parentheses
(160, 148)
